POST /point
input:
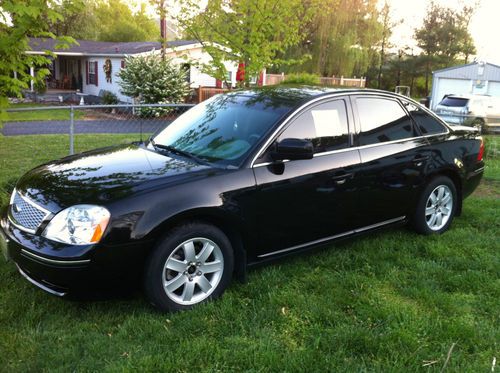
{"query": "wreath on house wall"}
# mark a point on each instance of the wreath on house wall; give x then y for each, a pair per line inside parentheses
(107, 67)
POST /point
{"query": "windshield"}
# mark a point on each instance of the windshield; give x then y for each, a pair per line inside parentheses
(454, 101)
(223, 129)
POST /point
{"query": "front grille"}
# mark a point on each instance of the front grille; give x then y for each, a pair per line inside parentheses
(26, 214)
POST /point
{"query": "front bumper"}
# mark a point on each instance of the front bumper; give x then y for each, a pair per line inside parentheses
(62, 269)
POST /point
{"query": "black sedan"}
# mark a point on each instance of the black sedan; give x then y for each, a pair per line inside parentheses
(238, 180)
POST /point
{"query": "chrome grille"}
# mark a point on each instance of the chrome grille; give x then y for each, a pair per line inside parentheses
(26, 214)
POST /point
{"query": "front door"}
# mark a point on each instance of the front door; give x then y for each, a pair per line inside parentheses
(302, 201)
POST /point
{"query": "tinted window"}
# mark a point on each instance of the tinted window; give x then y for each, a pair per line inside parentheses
(425, 122)
(382, 120)
(454, 101)
(224, 128)
(325, 125)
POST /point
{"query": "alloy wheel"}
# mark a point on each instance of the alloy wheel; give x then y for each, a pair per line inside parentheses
(439, 207)
(192, 271)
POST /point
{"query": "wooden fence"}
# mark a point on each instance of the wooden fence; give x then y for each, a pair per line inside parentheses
(204, 93)
(272, 79)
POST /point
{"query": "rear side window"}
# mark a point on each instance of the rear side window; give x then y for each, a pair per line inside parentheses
(426, 123)
(382, 120)
(324, 124)
(454, 101)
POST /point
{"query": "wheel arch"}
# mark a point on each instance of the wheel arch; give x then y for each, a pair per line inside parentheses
(457, 181)
(230, 225)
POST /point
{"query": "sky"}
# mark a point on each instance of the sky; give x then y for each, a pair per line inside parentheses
(483, 26)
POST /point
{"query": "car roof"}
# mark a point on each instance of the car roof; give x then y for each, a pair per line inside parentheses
(291, 95)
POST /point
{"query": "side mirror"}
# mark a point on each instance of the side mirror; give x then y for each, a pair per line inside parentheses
(292, 149)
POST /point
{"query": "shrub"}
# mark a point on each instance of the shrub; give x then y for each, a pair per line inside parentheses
(40, 86)
(152, 80)
(109, 98)
(302, 78)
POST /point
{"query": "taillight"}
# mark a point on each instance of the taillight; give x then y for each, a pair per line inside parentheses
(481, 151)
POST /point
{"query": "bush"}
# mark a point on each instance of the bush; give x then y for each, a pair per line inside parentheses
(40, 86)
(109, 98)
(152, 80)
(302, 78)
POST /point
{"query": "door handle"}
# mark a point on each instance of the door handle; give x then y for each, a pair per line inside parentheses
(342, 178)
(419, 160)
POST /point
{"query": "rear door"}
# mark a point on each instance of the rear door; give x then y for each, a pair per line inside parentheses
(300, 201)
(393, 159)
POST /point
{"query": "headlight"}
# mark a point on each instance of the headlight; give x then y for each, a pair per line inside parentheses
(78, 225)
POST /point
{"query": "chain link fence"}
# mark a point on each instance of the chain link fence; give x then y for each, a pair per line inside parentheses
(32, 135)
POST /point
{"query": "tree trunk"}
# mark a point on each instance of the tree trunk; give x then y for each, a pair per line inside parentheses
(427, 72)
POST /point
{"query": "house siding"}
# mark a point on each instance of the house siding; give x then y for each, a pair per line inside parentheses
(464, 80)
(102, 84)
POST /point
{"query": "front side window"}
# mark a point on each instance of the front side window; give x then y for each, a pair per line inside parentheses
(325, 125)
(382, 120)
(225, 128)
(426, 123)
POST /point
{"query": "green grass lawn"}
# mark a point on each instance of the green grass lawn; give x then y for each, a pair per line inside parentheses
(388, 302)
(49, 114)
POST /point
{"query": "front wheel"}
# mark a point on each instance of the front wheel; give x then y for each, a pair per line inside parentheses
(436, 207)
(191, 265)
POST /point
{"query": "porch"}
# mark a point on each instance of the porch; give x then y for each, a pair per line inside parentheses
(65, 74)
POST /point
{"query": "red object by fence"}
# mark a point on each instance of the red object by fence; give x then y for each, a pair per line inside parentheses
(260, 81)
(240, 74)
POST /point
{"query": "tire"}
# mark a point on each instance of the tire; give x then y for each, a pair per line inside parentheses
(195, 262)
(436, 206)
(479, 124)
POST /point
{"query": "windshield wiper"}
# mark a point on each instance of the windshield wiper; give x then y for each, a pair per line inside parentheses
(180, 152)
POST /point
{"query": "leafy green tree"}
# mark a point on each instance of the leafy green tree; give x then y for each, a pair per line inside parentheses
(20, 19)
(342, 38)
(117, 22)
(79, 19)
(253, 32)
(444, 37)
(104, 20)
(151, 79)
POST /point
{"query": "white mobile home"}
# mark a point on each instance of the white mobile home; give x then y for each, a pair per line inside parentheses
(91, 67)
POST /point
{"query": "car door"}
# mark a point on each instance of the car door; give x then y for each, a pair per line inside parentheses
(300, 201)
(393, 159)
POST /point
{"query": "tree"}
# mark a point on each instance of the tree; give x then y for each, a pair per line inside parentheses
(104, 20)
(387, 26)
(342, 38)
(79, 19)
(118, 23)
(153, 80)
(444, 37)
(252, 32)
(161, 11)
(20, 19)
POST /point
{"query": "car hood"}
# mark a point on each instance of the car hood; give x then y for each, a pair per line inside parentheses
(104, 175)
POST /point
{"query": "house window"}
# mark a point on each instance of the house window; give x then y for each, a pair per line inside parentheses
(93, 72)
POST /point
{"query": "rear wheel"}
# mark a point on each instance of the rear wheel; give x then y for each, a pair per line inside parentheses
(479, 124)
(191, 265)
(436, 206)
